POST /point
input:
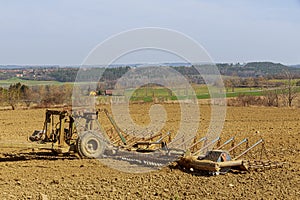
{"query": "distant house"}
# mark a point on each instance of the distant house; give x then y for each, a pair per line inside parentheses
(108, 92)
(93, 93)
(19, 75)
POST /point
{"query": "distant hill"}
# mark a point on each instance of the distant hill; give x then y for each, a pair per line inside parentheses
(256, 69)
(267, 68)
(111, 74)
(295, 66)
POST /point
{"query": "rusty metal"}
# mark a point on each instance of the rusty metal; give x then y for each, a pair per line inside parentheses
(263, 165)
(112, 121)
(219, 161)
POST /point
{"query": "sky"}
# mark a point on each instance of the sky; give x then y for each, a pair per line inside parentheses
(65, 31)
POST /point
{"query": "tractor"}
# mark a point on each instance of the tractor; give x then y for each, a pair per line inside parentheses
(70, 133)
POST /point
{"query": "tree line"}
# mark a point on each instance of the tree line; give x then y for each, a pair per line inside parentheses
(273, 93)
(20, 95)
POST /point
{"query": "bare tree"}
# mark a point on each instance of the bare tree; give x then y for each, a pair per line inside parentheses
(250, 82)
(260, 82)
(272, 97)
(3, 95)
(236, 82)
(29, 96)
(289, 90)
(14, 95)
(231, 83)
(227, 84)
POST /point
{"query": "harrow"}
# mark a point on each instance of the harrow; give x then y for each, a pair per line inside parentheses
(220, 161)
(73, 135)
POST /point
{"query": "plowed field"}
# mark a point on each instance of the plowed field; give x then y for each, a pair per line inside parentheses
(89, 179)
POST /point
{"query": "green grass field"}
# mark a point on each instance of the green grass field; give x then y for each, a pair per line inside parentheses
(8, 82)
(201, 92)
(147, 94)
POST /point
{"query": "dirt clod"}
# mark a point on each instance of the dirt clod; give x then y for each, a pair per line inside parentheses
(90, 179)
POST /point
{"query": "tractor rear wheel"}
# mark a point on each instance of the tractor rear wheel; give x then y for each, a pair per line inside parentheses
(90, 145)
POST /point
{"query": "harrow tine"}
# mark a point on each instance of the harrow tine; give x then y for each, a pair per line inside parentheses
(201, 140)
(247, 150)
(225, 143)
(163, 137)
(206, 146)
(239, 144)
(182, 143)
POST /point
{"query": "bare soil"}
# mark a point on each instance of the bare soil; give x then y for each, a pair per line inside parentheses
(89, 179)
